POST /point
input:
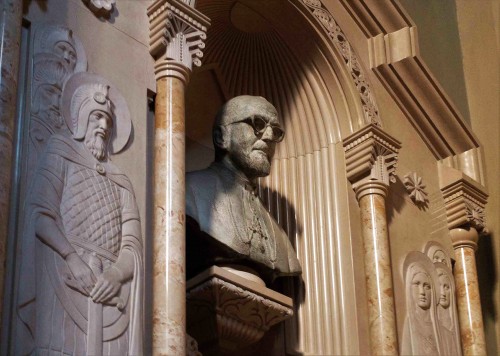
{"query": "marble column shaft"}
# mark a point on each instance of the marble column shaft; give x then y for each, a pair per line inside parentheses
(468, 299)
(377, 257)
(10, 38)
(169, 286)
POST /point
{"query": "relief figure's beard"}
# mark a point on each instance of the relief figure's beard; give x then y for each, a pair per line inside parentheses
(97, 146)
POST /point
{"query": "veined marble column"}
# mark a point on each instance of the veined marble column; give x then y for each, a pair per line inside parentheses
(177, 33)
(371, 157)
(465, 200)
(10, 38)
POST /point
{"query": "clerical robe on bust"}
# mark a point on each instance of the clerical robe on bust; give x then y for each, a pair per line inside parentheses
(227, 224)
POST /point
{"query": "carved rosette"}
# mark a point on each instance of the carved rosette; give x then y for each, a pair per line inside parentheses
(105, 5)
(233, 314)
(415, 188)
(177, 36)
(371, 157)
(465, 202)
(340, 41)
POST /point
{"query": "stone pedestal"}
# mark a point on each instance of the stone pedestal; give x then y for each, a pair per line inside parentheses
(227, 312)
(465, 200)
(177, 33)
(371, 156)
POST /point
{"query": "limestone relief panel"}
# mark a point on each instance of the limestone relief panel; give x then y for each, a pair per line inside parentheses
(81, 270)
(431, 323)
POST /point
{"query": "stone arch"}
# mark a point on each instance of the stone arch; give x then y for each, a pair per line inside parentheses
(290, 52)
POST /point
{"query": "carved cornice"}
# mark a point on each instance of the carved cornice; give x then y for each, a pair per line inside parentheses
(465, 203)
(241, 314)
(371, 156)
(392, 40)
(340, 41)
(177, 35)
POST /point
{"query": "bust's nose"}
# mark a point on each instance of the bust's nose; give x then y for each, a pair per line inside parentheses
(267, 135)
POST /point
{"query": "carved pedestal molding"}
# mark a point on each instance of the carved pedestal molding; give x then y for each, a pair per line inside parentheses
(177, 32)
(10, 37)
(371, 157)
(227, 312)
(465, 201)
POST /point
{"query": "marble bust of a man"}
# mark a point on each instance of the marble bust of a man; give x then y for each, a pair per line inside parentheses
(227, 223)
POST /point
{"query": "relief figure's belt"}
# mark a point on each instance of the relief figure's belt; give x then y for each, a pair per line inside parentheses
(92, 247)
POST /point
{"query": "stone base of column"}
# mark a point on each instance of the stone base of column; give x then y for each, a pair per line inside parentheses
(227, 312)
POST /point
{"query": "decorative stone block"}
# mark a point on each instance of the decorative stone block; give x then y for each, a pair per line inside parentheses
(465, 200)
(226, 312)
(415, 188)
(371, 154)
(177, 31)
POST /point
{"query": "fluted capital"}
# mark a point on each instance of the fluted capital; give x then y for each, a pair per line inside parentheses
(177, 34)
(371, 156)
(464, 198)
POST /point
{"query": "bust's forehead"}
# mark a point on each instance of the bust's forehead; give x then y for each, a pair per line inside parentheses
(245, 106)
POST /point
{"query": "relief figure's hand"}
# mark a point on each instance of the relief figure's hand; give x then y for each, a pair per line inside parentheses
(81, 272)
(107, 286)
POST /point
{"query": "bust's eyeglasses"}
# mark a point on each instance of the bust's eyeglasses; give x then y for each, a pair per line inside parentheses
(260, 125)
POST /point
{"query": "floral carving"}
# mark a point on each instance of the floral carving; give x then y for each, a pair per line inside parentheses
(415, 188)
(340, 41)
(240, 315)
(475, 215)
(106, 5)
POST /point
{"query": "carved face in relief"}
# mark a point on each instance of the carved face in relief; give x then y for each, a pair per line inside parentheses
(444, 290)
(98, 132)
(248, 130)
(421, 288)
(66, 51)
(439, 256)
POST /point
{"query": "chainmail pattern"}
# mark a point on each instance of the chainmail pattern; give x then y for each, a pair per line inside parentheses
(91, 208)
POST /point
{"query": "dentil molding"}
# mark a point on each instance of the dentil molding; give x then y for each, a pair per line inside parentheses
(465, 200)
(177, 34)
(371, 156)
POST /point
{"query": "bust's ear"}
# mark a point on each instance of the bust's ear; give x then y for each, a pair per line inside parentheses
(219, 137)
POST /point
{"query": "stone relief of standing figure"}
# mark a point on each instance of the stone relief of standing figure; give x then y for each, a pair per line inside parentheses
(420, 333)
(84, 222)
(447, 312)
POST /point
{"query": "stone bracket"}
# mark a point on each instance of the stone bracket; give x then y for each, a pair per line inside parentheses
(371, 154)
(230, 311)
(177, 32)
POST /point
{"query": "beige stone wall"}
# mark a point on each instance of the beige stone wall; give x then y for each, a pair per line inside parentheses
(478, 24)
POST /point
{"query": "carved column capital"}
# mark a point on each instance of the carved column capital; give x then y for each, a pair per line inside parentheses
(177, 33)
(371, 160)
(464, 199)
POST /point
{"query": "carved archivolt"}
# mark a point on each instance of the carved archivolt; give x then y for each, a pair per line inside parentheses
(431, 324)
(340, 41)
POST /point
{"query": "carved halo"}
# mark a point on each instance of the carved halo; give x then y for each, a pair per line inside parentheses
(122, 124)
(433, 247)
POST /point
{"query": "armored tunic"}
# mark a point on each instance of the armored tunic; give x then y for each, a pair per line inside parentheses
(90, 201)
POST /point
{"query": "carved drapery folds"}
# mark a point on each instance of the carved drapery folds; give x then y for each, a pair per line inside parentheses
(465, 200)
(371, 159)
(177, 34)
(78, 211)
